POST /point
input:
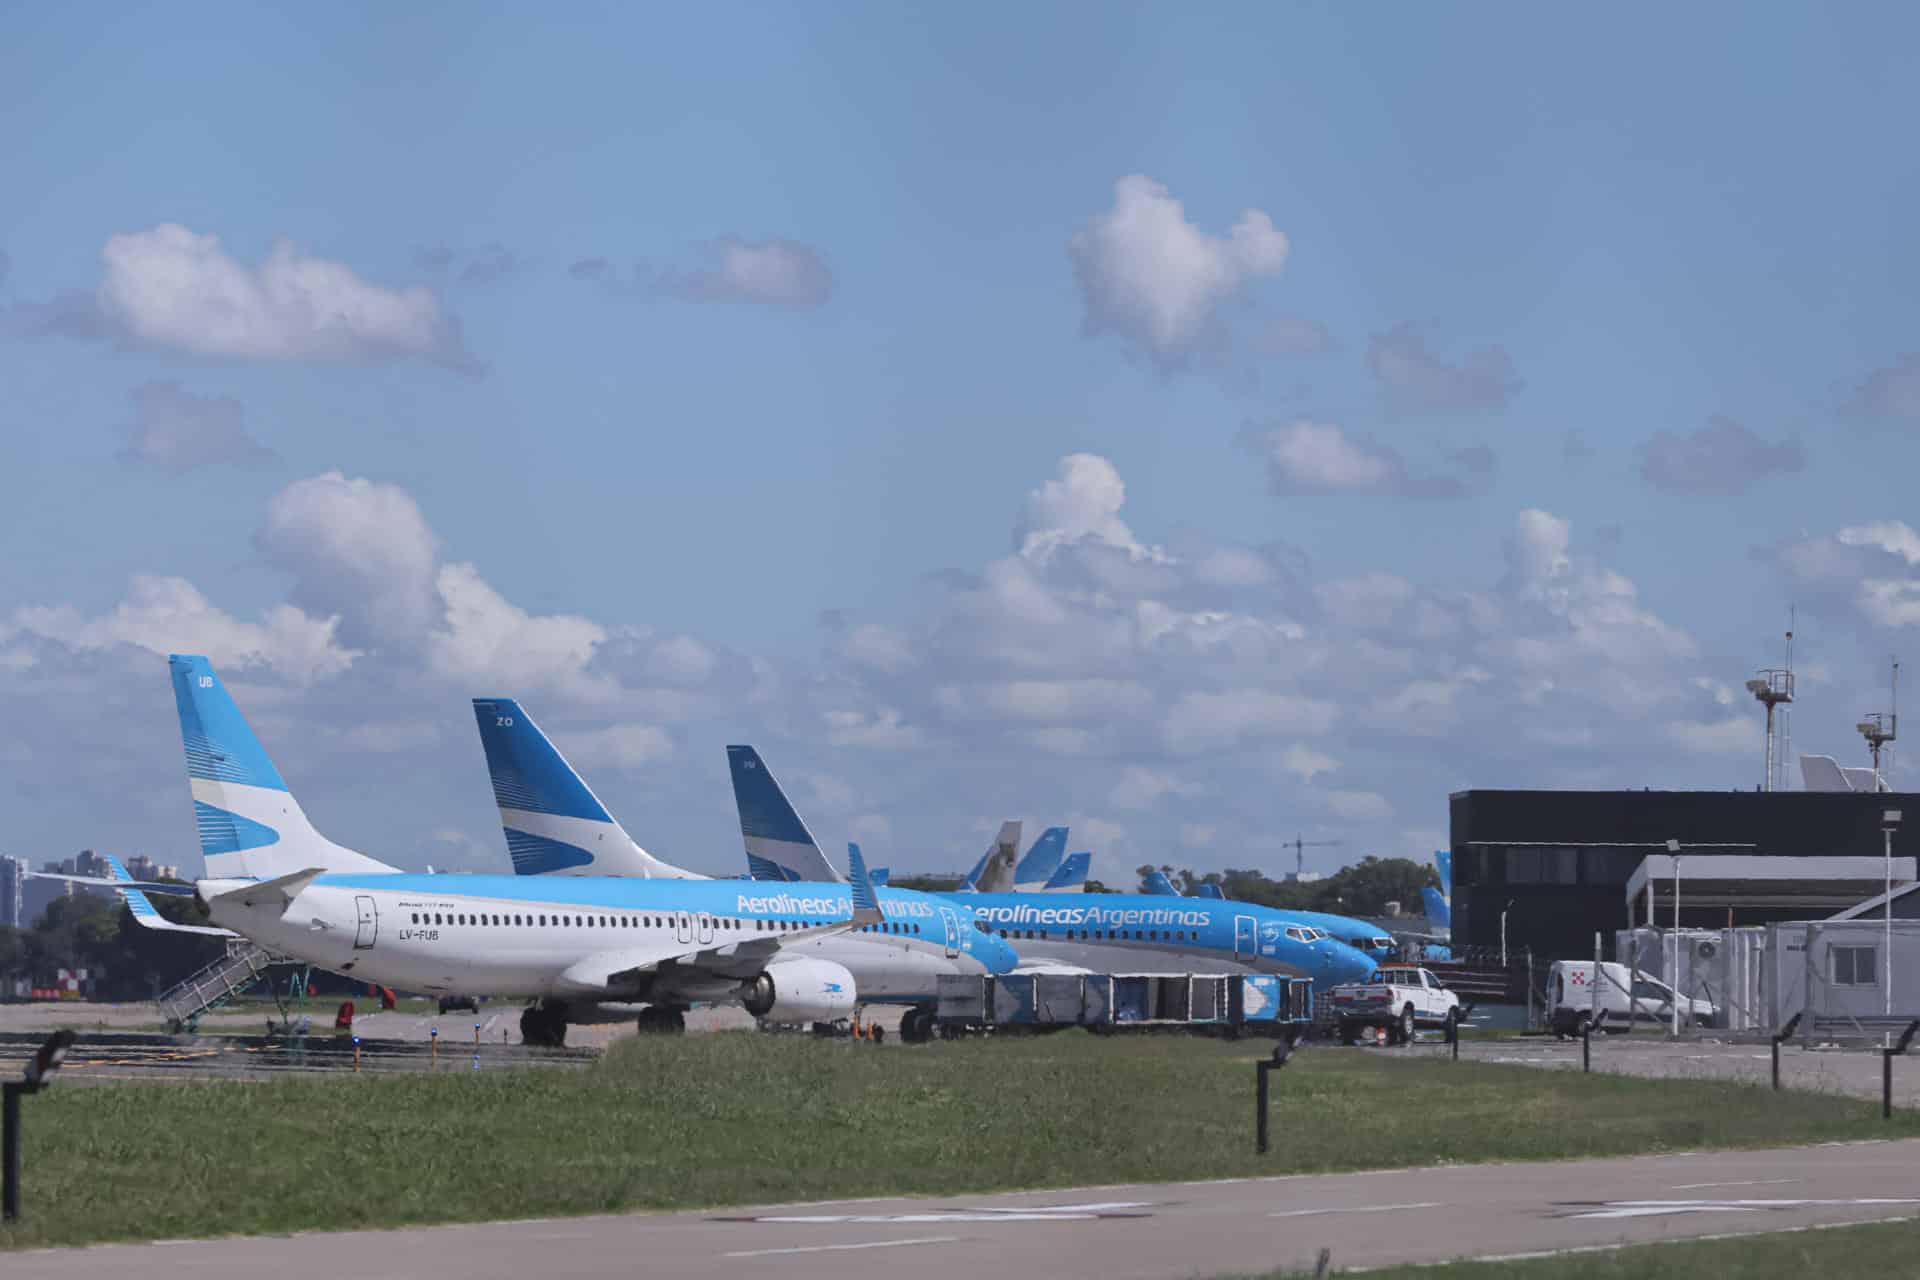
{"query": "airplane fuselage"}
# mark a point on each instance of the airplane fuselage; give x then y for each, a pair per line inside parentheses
(511, 936)
(1119, 933)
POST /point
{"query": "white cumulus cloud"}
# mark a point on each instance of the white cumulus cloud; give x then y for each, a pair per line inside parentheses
(174, 289)
(1157, 281)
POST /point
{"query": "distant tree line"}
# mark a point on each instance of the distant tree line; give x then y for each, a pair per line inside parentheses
(97, 933)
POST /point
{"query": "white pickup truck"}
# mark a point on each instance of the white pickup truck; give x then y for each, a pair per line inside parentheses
(1399, 998)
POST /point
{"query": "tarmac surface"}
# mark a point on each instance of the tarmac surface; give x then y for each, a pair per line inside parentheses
(1114, 1232)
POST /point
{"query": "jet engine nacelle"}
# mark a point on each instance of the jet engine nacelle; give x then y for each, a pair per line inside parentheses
(801, 991)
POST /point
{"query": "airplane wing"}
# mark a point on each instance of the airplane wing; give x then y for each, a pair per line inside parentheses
(620, 970)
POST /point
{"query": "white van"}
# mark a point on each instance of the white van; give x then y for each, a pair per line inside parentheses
(1572, 998)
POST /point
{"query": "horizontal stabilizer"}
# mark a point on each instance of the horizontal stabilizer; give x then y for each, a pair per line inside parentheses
(280, 891)
(148, 916)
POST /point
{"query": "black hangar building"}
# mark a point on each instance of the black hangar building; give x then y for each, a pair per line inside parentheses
(1557, 863)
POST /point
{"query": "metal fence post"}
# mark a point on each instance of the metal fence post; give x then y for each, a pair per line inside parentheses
(1784, 1033)
(1281, 1053)
(10, 1150)
(1260, 1105)
(1887, 1056)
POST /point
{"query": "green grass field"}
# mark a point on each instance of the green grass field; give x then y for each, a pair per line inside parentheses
(741, 1118)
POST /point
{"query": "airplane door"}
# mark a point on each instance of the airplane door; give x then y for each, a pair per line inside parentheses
(683, 926)
(1246, 943)
(367, 922)
(705, 924)
(950, 922)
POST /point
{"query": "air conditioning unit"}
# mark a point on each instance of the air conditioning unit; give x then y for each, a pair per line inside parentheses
(1706, 949)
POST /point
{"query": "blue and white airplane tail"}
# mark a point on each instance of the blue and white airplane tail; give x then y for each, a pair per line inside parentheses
(1443, 859)
(779, 846)
(554, 823)
(1041, 861)
(1070, 876)
(148, 916)
(1156, 885)
(250, 825)
(1439, 914)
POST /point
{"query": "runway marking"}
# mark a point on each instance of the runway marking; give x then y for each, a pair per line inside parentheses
(1035, 1213)
(1533, 1255)
(1664, 1208)
(833, 1248)
(1371, 1208)
(1750, 1182)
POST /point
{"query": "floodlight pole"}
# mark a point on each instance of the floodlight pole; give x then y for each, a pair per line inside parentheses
(1673, 851)
(1889, 818)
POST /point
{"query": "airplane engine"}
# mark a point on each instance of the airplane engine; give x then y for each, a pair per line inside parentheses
(801, 991)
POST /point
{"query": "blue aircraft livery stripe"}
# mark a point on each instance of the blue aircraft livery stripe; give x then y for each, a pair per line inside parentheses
(538, 855)
(220, 747)
(528, 774)
(224, 832)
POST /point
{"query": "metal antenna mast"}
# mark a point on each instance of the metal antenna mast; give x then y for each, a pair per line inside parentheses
(1773, 687)
(1881, 728)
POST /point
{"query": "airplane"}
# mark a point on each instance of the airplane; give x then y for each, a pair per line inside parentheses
(1107, 933)
(583, 948)
(541, 795)
(1358, 934)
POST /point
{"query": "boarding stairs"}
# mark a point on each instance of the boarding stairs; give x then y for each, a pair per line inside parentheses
(244, 964)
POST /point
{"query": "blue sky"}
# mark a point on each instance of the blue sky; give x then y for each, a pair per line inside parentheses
(721, 335)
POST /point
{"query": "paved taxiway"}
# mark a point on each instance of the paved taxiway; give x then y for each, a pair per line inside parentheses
(1115, 1232)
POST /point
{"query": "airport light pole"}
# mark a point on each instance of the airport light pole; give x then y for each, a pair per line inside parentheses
(1889, 819)
(1673, 851)
(1503, 932)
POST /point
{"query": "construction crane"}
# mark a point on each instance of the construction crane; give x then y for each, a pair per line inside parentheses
(1300, 848)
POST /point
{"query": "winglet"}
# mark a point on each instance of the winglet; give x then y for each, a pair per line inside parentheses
(866, 903)
(1207, 889)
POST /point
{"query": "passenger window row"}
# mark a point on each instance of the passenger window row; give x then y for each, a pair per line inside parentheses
(1106, 935)
(625, 922)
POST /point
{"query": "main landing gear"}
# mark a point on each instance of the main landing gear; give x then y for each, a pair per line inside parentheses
(544, 1025)
(660, 1019)
(917, 1024)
